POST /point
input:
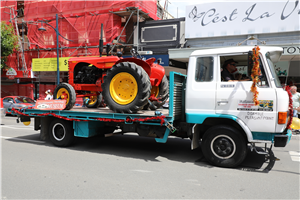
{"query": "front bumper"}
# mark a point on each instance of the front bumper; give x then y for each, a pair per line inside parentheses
(282, 140)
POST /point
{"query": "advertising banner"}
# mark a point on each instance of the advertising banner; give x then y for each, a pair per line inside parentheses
(49, 64)
(241, 18)
(50, 104)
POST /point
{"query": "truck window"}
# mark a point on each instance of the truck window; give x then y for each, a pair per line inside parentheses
(262, 80)
(242, 70)
(204, 69)
(273, 71)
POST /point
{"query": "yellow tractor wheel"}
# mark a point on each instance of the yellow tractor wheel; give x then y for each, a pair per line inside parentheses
(123, 88)
(67, 92)
(126, 87)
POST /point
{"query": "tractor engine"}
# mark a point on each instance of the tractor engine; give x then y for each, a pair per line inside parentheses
(87, 75)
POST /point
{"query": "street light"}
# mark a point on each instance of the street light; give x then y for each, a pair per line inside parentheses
(57, 45)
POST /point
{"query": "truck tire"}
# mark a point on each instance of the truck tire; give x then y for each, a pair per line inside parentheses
(224, 146)
(61, 132)
(65, 91)
(126, 88)
(94, 101)
(161, 92)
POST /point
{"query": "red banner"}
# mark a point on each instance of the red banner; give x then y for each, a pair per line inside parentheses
(50, 104)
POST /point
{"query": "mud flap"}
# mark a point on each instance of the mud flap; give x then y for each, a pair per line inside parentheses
(195, 141)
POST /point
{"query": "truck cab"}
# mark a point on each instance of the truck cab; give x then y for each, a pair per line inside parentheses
(214, 102)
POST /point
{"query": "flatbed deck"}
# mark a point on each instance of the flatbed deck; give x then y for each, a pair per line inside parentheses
(96, 114)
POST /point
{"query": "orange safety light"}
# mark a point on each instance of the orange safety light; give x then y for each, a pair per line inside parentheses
(282, 117)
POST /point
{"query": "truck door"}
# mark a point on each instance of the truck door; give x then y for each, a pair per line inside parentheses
(236, 98)
(201, 88)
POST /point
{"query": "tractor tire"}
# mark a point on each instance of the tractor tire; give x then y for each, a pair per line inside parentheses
(161, 93)
(94, 101)
(126, 88)
(224, 146)
(61, 132)
(65, 91)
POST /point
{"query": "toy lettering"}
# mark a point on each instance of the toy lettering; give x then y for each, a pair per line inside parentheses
(291, 50)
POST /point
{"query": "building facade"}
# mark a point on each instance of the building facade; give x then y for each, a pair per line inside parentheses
(223, 24)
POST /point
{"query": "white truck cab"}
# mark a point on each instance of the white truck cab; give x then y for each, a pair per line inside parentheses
(215, 105)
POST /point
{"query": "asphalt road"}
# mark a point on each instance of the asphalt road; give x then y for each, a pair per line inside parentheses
(132, 167)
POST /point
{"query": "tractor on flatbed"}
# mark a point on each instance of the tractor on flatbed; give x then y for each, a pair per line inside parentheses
(127, 85)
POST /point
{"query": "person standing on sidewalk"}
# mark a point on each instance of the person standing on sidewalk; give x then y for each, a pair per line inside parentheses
(296, 101)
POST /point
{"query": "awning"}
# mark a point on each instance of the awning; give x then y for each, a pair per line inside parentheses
(181, 55)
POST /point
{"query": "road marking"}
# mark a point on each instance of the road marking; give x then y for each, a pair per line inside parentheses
(16, 127)
(295, 156)
(20, 139)
(140, 170)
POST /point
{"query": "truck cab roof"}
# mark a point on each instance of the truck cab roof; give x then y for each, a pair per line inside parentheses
(234, 49)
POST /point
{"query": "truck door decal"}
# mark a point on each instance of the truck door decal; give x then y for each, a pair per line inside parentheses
(248, 105)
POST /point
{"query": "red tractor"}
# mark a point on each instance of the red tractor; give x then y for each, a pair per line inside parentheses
(126, 84)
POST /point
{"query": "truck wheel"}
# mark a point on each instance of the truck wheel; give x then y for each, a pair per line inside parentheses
(126, 88)
(94, 101)
(224, 146)
(61, 133)
(160, 92)
(67, 92)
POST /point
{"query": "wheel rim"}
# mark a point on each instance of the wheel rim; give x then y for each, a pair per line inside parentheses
(63, 94)
(58, 132)
(123, 88)
(154, 91)
(223, 147)
(92, 99)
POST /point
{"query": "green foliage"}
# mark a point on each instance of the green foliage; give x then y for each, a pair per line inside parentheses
(9, 42)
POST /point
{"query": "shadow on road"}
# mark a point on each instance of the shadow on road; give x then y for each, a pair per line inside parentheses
(147, 149)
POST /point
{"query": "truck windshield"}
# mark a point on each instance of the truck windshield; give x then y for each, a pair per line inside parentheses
(272, 69)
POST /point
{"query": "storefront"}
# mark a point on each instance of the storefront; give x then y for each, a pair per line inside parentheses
(17, 81)
(223, 24)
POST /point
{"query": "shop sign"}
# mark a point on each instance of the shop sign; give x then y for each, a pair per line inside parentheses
(291, 50)
(11, 73)
(241, 18)
(50, 64)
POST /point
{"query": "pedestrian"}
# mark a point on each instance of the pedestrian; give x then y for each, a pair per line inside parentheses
(49, 95)
(296, 101)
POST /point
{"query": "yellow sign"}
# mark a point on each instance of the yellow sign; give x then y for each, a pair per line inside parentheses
(49, 64)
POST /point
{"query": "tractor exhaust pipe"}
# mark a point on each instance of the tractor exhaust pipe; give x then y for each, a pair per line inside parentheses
(107, 49)
(101, 41)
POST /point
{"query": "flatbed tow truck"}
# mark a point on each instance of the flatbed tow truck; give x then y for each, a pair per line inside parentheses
(220, 115)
